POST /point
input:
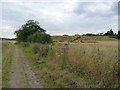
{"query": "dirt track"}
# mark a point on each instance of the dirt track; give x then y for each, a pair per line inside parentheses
(21, 75)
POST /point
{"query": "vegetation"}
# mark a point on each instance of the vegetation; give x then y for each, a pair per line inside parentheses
(75, 65)
(32, 32)
(40, 38)
(84, 64)
(112, 34)
(82, 38)
(75, 62)
(6, 64)
(109, 33)
(62, 38)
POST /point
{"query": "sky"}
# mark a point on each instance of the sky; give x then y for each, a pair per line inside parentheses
(59, 17)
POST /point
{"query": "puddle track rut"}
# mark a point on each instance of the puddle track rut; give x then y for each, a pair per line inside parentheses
(21, 75)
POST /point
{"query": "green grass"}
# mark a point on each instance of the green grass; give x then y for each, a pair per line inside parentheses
(6, 67)
(75, 65)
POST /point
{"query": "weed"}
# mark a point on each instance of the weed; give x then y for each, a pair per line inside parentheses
(116, 69)
(35, 49)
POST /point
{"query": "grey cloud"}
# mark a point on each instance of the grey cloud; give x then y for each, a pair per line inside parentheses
(58, 18)
(82, 8)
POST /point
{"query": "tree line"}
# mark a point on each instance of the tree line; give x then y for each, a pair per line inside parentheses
(111, 33)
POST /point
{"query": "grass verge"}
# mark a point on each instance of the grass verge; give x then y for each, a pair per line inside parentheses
(6, 67)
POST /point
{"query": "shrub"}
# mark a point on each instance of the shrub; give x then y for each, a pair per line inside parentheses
(41, 49)
(35, 49)
(24, 44)
(39, 37)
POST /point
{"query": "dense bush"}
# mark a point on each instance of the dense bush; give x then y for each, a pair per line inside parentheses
(39, 37)
(28, 29)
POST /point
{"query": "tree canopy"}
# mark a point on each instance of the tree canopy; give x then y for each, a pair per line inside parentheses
(31, 29)
(110, 33)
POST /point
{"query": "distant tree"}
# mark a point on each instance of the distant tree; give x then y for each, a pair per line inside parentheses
(109, 33)
(118, 34)
(28, 29)
(65, 35)
(89, 34)
(112, 34)
(77, 35)
(101, 34)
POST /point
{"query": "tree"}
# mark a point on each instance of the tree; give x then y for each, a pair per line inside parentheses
(118, 34)
(28, 29)
(109, 33)
(33, 26)
(112, 34)
(101, 34)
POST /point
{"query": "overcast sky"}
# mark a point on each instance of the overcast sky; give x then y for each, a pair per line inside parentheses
(60, 17)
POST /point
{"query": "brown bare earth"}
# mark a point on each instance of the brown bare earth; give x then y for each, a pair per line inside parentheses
(21, 75)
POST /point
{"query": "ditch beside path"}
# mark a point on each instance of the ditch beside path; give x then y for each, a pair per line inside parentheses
(21, 75)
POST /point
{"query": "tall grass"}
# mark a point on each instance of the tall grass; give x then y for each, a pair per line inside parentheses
(74, 65)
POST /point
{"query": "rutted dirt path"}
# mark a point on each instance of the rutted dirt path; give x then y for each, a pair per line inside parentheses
(21, 75)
